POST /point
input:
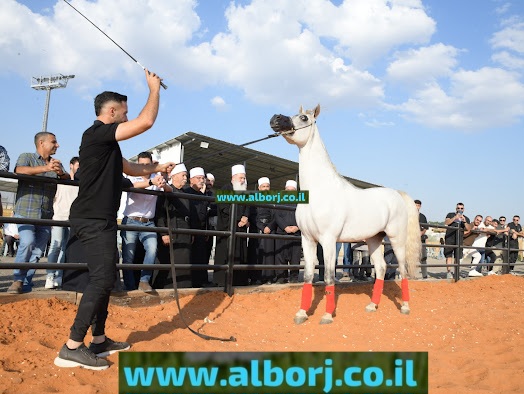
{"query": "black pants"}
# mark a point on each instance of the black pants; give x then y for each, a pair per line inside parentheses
(181, 255)
(199, 255)
(288, 252)
(513, 256)
(10, 242)
(98, 238)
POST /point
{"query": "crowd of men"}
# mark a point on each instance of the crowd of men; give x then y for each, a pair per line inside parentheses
(144, 211)
(476, 236)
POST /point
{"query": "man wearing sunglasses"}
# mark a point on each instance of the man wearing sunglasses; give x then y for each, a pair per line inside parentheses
(515, 231)
(454, 235)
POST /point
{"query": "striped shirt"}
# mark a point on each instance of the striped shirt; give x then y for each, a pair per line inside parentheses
(34, 200)
(4, 159)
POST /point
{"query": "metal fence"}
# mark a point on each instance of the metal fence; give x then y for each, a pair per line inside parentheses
(233, 235)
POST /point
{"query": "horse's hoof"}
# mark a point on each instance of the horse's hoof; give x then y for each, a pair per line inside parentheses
(371, 308)
(404, 310)
(326, 320)
(300, 319)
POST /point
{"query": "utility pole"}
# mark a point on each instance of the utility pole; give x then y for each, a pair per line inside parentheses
(49, 83)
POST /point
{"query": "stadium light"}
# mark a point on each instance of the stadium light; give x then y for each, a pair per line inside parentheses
(48, 84)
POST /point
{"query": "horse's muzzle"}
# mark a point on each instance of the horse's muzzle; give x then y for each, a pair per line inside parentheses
(281, 123)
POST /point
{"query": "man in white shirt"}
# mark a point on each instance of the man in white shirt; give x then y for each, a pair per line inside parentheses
(64, 197)
(483, 230)
(140, 211)
(11, 237)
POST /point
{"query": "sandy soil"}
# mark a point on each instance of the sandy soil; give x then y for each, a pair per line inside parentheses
(473, 331)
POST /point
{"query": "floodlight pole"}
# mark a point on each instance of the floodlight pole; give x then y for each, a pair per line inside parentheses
(48, 84)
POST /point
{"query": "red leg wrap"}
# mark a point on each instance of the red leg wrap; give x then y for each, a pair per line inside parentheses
(405, 289)
(307, 296)
(377, 291)
(330, 299)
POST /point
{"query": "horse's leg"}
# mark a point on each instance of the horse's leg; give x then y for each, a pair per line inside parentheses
(400, 253)
(328, 249)
(309, 248)
(376, 254)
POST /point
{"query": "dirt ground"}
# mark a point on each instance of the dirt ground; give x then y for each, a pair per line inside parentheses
(473, 331)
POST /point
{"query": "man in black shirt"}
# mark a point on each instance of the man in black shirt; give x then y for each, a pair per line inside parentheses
(454, 236)
(93, 218)
(515, 231)
(423, 252)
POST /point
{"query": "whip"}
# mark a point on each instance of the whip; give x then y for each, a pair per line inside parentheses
(113, 41)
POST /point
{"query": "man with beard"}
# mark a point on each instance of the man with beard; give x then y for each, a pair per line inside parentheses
(181, 216)
(197, 186)
(211, 214)
(262, 250)
(289, 251)
(238, 183)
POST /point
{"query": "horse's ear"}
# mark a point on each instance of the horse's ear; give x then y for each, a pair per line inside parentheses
(316, 112)
(300, 110)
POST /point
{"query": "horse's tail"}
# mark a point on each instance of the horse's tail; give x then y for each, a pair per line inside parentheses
(413, 242)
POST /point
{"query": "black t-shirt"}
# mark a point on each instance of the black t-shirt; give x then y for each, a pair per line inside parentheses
(101, 174)
(517, 228)
(450, 233)
(422, 219)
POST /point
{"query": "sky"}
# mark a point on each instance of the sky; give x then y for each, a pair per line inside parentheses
(421, 96)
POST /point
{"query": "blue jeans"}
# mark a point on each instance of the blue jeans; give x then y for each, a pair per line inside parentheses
(33, 241)
(347, 257)
(59, 237)
(129, 241)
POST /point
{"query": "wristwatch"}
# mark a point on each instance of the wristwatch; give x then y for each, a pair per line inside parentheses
(150, 182)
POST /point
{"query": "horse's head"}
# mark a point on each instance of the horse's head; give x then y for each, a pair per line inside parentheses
(296, 129)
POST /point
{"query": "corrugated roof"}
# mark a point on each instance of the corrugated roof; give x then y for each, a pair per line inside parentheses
(220, 155)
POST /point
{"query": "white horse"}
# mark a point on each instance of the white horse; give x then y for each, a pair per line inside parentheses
(339, 211)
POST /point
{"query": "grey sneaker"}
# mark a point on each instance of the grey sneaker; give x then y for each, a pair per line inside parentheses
(15, 288)
(145, 287)
(80, 357)
(108, 347)
(449, 275)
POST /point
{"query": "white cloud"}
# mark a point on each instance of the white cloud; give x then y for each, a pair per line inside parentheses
(508, 60)
(511, 37)
(488, 97)
(510, 43)
(423, 65)
(503, 8)
(219, 103)
(377, 123)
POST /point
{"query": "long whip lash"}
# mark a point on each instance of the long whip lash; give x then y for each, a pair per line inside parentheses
(175, 287)
(114, 42)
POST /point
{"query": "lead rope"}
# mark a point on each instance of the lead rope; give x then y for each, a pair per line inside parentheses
(175, 287)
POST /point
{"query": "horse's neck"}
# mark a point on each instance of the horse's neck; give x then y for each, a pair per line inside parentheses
(315, 166)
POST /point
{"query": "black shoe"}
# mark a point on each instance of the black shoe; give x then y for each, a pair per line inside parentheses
(108, 347)
(80, 357)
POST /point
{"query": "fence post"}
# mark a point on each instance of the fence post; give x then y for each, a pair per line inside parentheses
(505, 267)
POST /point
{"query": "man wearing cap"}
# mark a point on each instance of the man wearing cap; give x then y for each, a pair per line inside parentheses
(238, 183)
(262, 250)
(287, 251)
(140, 211)
(197, 186)
(211, 213)
(176, 213)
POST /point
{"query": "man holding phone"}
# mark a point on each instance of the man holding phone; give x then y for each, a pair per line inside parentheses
(454, 236)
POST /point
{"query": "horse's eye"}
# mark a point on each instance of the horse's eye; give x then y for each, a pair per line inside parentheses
(303, 118)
